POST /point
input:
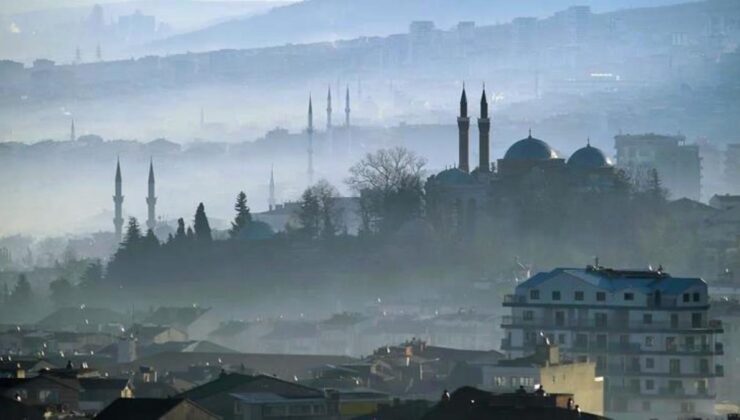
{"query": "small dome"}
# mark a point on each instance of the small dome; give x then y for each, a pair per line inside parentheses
(588, 157)
(454, 176)
(530, 149)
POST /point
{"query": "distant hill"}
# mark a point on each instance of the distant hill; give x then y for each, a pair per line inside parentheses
(326, 20)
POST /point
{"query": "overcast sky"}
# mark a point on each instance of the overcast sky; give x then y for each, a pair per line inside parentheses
(18, 6)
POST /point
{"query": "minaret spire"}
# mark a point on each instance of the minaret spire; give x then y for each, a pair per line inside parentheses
(347, 122)
(151, 200)
(328, 110)
(463, 126)
(72, 133)
(484, 129)
(310, 140)
(271, 199)
(118, 203)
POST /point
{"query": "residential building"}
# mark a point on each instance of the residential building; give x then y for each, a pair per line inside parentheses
(545, 368)
(155, 409)
(649, 334)
(678, 164)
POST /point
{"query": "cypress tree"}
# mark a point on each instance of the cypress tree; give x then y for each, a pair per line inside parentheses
(201, 226)
(22, 292)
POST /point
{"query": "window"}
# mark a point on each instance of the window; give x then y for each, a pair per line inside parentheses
(556, 295)
(648, 341)
(578, 296)
(561, 338)
(237, 407)
(649, 363)
(674, 320)
(687, 407)
(647, 319)
(600, 296)
(649, 384)
(670, 343)
(629, 296)
(686, 297)
(696, 320)
(674, 366)
(528, 315)
(697, 297)
(600, 319)
(534, 294)
(690, 343)
(559, 318)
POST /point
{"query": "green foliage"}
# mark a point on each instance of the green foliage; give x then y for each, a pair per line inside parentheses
(318, 215)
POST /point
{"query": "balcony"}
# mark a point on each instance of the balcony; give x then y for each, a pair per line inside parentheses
(513, 299)
(509, 321)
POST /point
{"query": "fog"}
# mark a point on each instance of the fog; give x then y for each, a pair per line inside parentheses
(468, 146)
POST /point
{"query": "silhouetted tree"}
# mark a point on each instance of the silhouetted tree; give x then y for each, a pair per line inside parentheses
(201, 226)
(309, 214)
(92, 278)
(243, 217)
(22, 293)
(180, 234)
(133, 234)
(62, 292)
(390, 185)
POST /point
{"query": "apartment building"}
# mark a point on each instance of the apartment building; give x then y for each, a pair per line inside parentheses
(648, 333)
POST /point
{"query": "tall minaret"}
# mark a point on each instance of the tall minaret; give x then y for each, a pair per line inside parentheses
(72, 133)
(484, 128)
(151, 200)
(310, 141)
(118, 202)
(328, 111)
(346, 109)
(271, 199)
(346, 121)
(463, 126)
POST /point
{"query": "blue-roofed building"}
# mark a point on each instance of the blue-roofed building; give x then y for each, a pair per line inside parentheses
(648, 332)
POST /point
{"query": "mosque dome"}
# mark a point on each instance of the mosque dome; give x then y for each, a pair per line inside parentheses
(588, 157)
(454, 176)
(530, 149)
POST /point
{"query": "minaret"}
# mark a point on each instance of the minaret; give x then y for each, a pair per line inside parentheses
(118, 202)
(271, 199)
(328, 111)
(463, 126)
(346, 121)
(72, 133)
(346, 109)
(310, 141)
(484, 128)
(151, 200)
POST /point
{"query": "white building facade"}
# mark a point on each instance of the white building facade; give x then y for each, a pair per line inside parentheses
(648, 333)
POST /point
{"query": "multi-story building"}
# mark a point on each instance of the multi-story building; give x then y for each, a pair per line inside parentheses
(648, 333)
(678, 164)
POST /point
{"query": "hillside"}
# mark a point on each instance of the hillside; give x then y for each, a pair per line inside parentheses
(326, 20)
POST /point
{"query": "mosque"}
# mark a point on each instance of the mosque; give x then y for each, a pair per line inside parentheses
(530, 166)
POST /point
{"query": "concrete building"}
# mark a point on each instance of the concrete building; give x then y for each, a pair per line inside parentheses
(546, 369)
(678, 164)
(648, 333)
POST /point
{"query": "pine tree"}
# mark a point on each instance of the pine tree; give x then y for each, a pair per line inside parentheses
(201, 226)
(133, 235)
(243, 216)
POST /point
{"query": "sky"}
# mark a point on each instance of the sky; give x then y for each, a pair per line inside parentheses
(20, 6)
